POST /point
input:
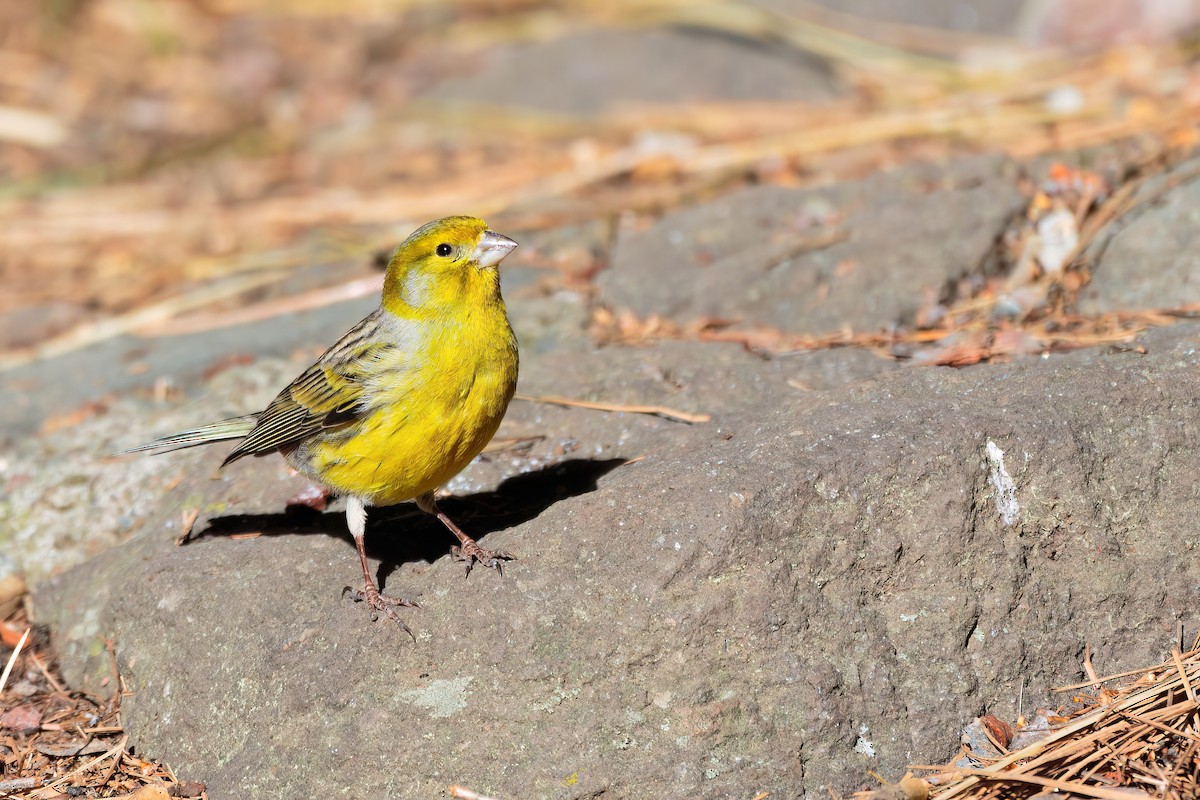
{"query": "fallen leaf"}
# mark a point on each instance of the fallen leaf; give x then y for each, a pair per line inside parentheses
(22, 719)
(954, 351)
(68, 749)
(70, 419)
(11, 589)
(999, 730)
(1015, 341)
(227, 362)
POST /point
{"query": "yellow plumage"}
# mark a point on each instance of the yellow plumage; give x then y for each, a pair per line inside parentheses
(408, 397)
(428, 415)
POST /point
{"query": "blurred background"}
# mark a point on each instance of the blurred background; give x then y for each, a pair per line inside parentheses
(173, 167)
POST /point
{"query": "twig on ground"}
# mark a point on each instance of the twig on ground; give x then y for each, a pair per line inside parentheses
(115, 750)
(1059, 785)
(13, 659)
(659, 411)
(17, 785)
(50, 679)
(1177, 657)
(93, 332)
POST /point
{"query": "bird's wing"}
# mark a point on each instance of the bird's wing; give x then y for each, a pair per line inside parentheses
(329, 394)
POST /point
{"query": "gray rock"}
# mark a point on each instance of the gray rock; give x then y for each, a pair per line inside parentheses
(835, 574)
(1149, 258)
(804, 589)
(596, 70)
(908, 232)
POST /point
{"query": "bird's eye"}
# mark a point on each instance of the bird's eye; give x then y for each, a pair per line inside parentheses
(444, 249)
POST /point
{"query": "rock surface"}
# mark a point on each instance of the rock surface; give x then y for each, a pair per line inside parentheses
(845, 565)
(859, 255)
(1149, 259)
(777, 601)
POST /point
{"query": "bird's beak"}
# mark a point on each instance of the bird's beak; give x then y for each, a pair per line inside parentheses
(492, 249)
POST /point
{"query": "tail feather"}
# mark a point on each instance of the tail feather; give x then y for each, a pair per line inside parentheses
(235, 428)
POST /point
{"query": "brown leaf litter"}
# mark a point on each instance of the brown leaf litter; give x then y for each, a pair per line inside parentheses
(1027, 307)
(57, 742)
(1132, 736)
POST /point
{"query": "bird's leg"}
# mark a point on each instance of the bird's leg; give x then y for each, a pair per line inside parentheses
(356, 520)
(468, 549)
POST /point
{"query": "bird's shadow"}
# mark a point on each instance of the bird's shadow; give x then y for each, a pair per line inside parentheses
(400, 534)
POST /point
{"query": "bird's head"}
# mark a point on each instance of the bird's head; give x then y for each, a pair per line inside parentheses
(447, 262)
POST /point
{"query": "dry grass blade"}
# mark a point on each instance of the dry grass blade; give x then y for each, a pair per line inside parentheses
(91, 333)
(50, 679)
(1129, 743)
(116, 750)
(1177, 657)
(1070, 687)
(659, 411)
(1061, 786)
(31, 128)
(739, 19)
(13, 660)
(291, 304)
(1155, 724)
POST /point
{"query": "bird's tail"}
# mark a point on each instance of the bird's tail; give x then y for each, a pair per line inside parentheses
(235, 428)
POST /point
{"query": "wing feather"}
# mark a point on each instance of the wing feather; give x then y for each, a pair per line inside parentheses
(329, 394)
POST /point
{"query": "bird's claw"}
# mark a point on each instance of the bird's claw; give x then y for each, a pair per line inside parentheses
(380, 602)
(473, 554)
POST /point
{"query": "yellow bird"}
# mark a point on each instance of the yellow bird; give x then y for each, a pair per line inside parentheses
(406, 399)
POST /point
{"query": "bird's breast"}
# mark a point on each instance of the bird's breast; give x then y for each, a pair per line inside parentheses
(428, 422)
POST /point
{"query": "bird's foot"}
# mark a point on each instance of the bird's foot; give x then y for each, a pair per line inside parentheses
(314, 497)
(381, 602)
(467, 549)
(473, 554)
